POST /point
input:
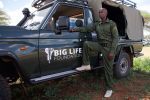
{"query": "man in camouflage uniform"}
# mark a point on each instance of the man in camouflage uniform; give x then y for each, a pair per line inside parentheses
(107, 35)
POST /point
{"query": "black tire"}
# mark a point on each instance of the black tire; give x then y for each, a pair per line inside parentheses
(5, 93)
(123, 65)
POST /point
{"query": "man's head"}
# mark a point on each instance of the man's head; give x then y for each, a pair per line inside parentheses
(103, 13)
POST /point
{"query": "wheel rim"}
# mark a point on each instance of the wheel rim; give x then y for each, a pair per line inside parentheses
(124, 65)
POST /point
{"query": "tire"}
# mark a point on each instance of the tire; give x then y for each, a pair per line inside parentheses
(123, 65)
(5, 93)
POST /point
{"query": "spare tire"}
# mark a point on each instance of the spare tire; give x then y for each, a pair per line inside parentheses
(5, 93)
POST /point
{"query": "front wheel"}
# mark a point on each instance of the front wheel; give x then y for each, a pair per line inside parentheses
(5, 93)
(123, 65)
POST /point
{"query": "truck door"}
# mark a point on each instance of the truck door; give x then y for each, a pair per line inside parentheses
(60, 51)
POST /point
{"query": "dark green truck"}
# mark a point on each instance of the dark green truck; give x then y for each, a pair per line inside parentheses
(41, 47)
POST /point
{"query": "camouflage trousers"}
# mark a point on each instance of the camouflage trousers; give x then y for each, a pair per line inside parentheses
(89, 47)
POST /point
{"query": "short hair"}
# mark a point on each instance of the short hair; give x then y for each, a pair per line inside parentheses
(103, 10)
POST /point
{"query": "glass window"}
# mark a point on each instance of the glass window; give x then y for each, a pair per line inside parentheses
(73, 13)
(89, 18)
(36, 19)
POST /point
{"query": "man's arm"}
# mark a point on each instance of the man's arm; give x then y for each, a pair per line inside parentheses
(89, 28)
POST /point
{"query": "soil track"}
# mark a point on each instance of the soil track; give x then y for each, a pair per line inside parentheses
(146, 51)
(135, 87)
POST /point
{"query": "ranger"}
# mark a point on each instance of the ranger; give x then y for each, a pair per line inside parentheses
(42, 48)
(107, 35)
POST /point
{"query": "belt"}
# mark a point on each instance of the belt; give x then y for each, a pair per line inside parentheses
(104, 44)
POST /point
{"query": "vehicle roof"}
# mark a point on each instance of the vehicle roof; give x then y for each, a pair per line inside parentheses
(41, 3)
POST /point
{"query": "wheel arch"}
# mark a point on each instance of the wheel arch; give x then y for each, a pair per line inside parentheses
(125, 48)
(10, 68)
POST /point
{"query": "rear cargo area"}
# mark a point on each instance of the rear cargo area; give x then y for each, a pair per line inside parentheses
(116, 14)
(128, 19)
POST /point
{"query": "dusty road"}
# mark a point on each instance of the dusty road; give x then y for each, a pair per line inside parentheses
(146, 52)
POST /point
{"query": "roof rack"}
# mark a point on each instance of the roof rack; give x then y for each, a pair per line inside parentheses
(85, 2)
(126, 2)
(39, 3)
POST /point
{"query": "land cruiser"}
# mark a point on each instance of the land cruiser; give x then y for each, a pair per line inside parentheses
(41, 47)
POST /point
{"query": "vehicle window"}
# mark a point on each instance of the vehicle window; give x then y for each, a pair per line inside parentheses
(73, 13)
(36, 18)
(89, 18)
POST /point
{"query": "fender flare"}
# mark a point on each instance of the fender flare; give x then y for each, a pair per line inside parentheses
(122, 47)
(15, 58)
(18, 69)
(8, 53)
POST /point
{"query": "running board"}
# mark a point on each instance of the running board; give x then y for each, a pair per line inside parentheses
(97, 67)
(58, 75)
(53, 76)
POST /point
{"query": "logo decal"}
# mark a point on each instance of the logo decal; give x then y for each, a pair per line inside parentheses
(49, 52)
(62, 54)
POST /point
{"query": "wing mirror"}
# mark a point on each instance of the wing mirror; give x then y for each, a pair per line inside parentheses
(63, 23)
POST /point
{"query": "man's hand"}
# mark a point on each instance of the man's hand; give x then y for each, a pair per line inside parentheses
(110, 56)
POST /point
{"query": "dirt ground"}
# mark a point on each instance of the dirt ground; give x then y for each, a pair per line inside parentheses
(146, 51)
(81, 87)
(133, 88)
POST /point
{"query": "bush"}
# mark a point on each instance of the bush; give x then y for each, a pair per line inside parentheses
(142, 64)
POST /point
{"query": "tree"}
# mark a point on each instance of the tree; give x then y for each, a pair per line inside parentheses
(4, 18)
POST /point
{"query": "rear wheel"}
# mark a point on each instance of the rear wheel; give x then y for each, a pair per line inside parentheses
(123, 65)
(5, 93)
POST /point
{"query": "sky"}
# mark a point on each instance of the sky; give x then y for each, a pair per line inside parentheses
(14, 8)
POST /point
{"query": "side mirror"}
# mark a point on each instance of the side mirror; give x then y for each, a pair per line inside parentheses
(63, 23)
(79, 23)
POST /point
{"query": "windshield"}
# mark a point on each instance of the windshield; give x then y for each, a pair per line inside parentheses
(36, 18)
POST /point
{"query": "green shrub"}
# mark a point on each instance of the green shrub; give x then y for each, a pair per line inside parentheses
(142, 64)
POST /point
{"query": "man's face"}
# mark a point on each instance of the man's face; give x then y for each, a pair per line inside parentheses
(102, 13)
